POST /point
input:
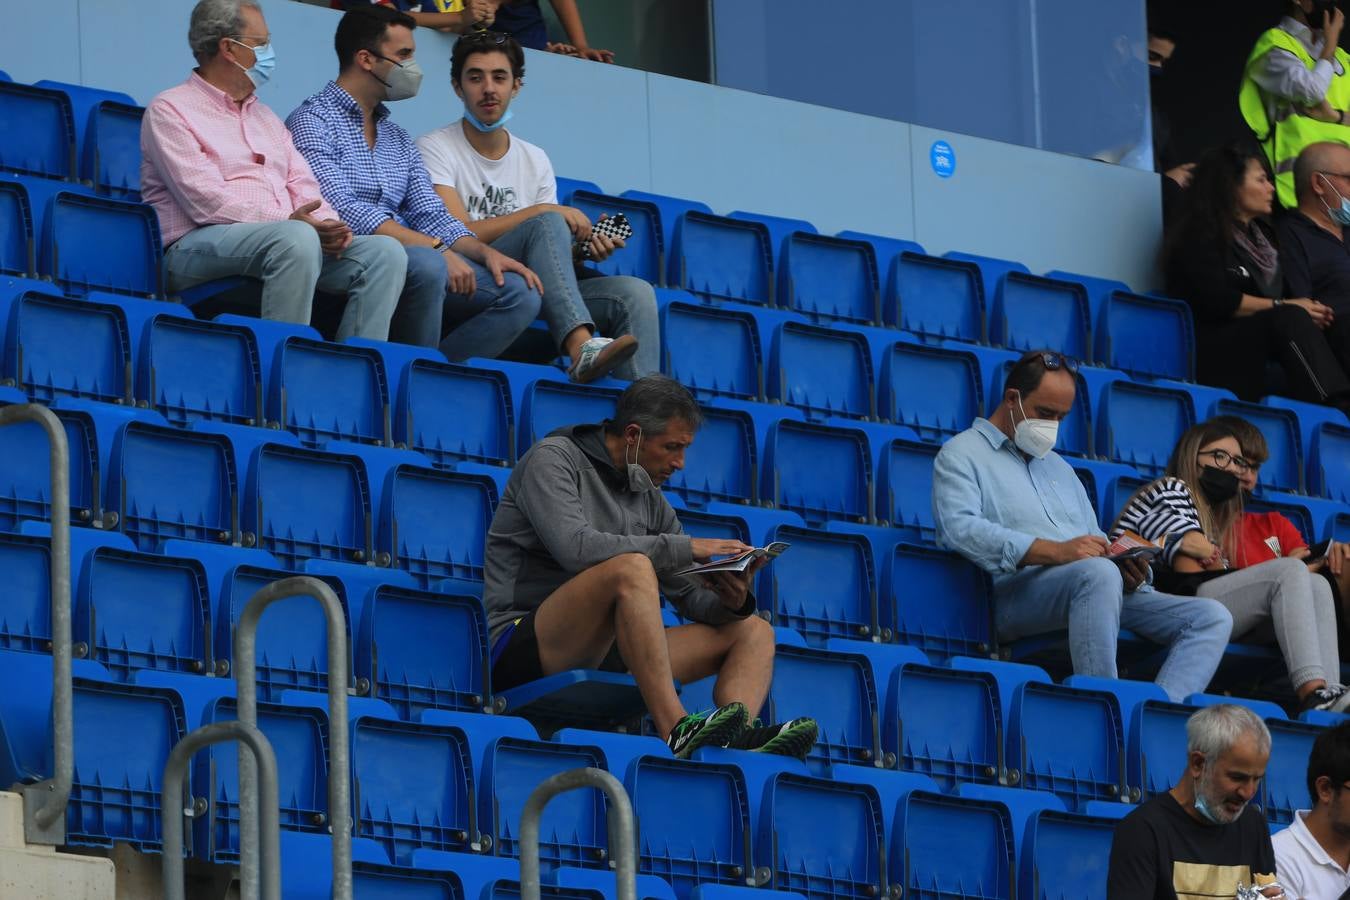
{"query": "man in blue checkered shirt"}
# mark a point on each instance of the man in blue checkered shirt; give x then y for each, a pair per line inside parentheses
(460, 294)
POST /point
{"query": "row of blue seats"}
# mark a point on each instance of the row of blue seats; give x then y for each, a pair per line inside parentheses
(73, 133)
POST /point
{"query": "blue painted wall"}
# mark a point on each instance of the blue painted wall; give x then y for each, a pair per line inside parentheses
(628, 129)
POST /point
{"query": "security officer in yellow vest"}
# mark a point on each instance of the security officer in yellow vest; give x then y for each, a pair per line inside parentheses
(1296, 87)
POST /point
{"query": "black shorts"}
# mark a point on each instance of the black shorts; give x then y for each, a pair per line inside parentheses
(518, 662)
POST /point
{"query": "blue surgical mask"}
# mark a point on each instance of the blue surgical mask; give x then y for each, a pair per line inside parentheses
(1202, 807)
(264, 61)
(1341, 214)
(487, 129)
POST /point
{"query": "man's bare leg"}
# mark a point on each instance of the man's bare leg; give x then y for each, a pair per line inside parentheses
(739, 653)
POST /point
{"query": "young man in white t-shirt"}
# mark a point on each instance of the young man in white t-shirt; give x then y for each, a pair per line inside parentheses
(1312, 855)
(505, 189)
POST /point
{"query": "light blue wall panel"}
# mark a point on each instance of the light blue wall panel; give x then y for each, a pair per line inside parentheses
(41, 40)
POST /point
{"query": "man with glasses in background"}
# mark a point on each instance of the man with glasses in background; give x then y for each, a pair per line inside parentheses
(1006, 501)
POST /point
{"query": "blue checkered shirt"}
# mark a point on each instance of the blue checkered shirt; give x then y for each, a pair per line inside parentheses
(368, 186)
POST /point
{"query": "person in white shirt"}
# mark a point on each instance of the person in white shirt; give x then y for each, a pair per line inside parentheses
(1312, 855)
(505, 189)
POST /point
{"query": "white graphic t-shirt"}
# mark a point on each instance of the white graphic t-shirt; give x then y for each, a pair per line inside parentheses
(488, 187)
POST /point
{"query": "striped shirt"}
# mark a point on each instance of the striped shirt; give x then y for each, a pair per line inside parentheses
(1164, 508)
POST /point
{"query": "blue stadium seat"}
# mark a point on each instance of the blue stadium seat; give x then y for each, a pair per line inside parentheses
(320, 391)
(695, 822)
(905, 489)
(303, 504)
(1139, 424)
(434, 524)
(568, 186)
(936, 298)
(722, 258)
(1310, 415)
(16, 231)
(840, 693)
(25, 485)
(138, 611)
(1032, 312)
(60, 347)
(1296, 510)
(992, 271)
(1067, 741)
(622, 751)
(420, 650)
(937, 601)
(725, 462)
(1146, 336)
(45, 144)
(844, 861)
(944, 723)
(824, 587)
(25, 604)
(817, 471)
(644, 253)
(937, 391)
(1329, 463)
(953, 847)
(1075, 430)
(572, 831)
(1285, 787)
(172, 379)
(110, 157)
(548, 404)
(821, 371)
(671, 210)
(1066, 855)
(1338, 529)
(451, 413)
(1283, 471)
(1098, 479)
(169, 483)
(710, 350)
(828, 278)
(97, 243)
(1156, 749)
(433, 810)
(4, 76)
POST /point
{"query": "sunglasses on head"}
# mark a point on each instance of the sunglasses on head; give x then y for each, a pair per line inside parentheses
(482, 37)
(1056, 361)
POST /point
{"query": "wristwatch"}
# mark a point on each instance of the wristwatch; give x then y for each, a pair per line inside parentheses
(440, 246)
(1278, 301)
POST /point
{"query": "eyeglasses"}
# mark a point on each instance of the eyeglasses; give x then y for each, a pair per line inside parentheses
(1223, 459)
(484, 37)
(240, 38)
(1345, 175)
(1053, 362)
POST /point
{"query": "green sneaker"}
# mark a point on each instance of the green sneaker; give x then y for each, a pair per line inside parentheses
(794, 738)
(717, 728)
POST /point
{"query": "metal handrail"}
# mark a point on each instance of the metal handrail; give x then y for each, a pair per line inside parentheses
(44, 803)
(265, 814)
(339, 762)
(619, 816)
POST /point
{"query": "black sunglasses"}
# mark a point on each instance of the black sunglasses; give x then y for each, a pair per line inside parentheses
(1053, 362)
(480, 35)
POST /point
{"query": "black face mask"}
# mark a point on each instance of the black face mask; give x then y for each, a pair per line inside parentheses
(1218, 485)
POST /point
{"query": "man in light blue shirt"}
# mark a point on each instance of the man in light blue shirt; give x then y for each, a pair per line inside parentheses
(1006, 501)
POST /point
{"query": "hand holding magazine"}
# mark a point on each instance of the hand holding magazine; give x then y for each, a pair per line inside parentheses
(737, 563)
(1133, 546)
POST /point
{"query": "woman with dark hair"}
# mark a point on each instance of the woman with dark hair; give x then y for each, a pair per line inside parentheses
(1221, 259)
(1195, 513)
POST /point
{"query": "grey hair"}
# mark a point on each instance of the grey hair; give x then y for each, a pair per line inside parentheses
(652, 402)
(213, 20)
(1215, 729)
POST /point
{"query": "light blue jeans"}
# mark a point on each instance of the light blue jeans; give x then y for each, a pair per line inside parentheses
(483, 323)
(286, 258)
(1088, 598)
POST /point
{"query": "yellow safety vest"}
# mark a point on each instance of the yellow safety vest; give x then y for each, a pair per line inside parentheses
(1291, 131)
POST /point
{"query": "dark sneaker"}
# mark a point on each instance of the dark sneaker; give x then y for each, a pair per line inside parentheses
(1332, 698)
(600, 356)
(718, 728)
(794, 738)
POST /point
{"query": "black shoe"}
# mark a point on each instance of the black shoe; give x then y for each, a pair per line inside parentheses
(718, 728)
(1331, 697)
(794, 738)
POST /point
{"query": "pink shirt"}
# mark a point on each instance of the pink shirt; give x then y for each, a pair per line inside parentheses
(207, 160)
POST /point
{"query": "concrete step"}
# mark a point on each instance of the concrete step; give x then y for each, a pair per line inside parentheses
(31, 872)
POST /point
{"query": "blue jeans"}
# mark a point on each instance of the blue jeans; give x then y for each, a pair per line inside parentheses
(483, 323)
(286, 258)
(1088, 598)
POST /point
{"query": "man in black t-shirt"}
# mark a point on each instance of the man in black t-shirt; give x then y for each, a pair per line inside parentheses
(1201, 839)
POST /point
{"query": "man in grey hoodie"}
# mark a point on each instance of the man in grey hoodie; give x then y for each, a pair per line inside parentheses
(580, 550)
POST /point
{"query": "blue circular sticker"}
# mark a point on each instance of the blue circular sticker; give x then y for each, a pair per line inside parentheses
(943, 158)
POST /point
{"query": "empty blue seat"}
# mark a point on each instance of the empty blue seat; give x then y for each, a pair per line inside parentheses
(1146, 335)
(818, 471)
(1066, 855)
(110, 157)
(1310, 415)
(303, 504)
(432, 810)
(824, 587)
(39, 133)
(934, 390)
(59, 347)
(1329, 463)
(821, 371)
(905, 488)
(952, 847)
(548, 404)
(644, 253)
(724, 464)
(568, 186)
(828, 278)
(936, 297)
(322, 392)
(172, 379)
(572, 830)
(712, 351)
(169, 483)
(420, 650)
(25, 604)
(1032, 312)
(1156, 748)
(841, 861)
(450, 413)
(1283, 470)
(25, 480)
(1285, 786)
(1139, 424)
(937, 601)
(96, 243)
(839, 692)
(718, 257)
(671, 210)
(944, 723)
(434, 524)
(1067, 741)
(16, 230)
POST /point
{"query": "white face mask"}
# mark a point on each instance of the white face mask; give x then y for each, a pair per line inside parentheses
(638, 479)
(1035, 437)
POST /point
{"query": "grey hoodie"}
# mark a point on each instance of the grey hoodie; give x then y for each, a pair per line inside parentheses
(566, 508)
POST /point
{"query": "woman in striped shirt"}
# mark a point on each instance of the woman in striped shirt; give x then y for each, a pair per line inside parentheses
(1195, 512)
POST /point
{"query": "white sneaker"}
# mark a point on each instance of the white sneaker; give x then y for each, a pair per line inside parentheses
(1331, 698)
(600, 356)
